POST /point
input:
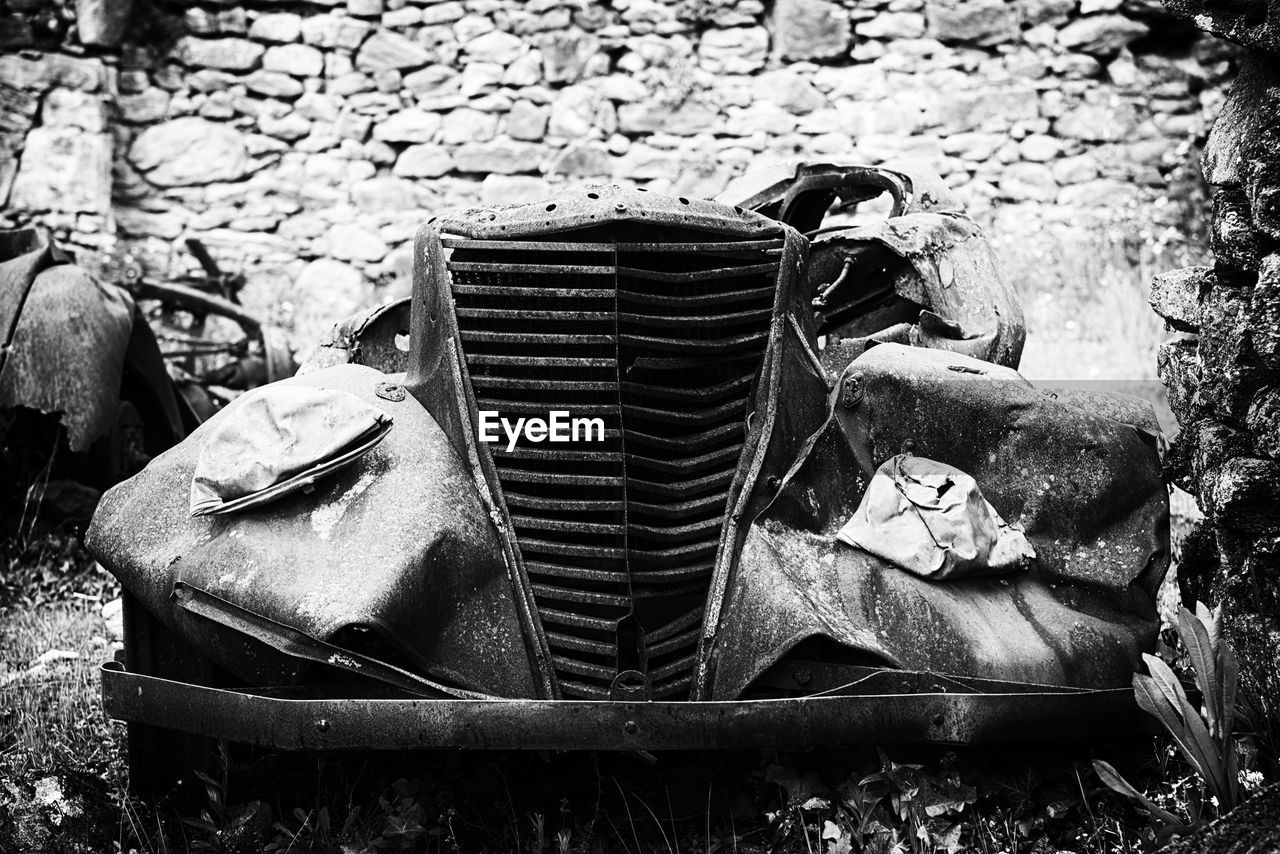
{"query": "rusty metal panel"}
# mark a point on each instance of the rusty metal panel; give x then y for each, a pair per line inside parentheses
(924, 275)
(67, 351)
(24, 254)
(656, 314)
(1085, 488)
(270, 720)
(377, 337)
(392, 553)
(947, 293)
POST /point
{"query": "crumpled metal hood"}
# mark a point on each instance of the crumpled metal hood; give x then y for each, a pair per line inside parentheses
(922, 275)
(1084, 487)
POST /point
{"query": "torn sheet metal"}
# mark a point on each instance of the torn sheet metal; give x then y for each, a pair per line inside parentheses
(1085, 488)
(931, 519)
(377, 337)
(924, 275)
(948, 292)
(67, 336)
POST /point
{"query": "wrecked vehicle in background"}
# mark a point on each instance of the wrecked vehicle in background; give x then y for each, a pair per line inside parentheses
(215, 349)
(85, 399)
(94, 377)
(766, 544)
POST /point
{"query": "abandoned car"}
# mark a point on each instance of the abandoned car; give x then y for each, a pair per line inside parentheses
(821, 506)
(99, 373)
(84, 395)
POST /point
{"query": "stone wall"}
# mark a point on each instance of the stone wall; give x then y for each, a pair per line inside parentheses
(1223, 367)
(306, 141)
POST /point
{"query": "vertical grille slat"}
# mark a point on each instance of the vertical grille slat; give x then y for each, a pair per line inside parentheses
(661, 339)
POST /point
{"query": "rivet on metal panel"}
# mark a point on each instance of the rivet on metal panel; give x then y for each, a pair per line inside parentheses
(619, 207)
(937, 719)
(390, 391)
(630, 727)
(322, 725)
(773, 481)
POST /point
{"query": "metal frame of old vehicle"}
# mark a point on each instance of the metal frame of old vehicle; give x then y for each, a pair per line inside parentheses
(77, 356)
(565, 618)
(87, 347)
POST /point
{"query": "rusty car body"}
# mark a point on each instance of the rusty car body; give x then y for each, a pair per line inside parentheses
(79, 368)
(95, 378)
(678, 584)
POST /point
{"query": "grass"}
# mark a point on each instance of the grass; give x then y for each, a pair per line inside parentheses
(52, 715)
(61, 767)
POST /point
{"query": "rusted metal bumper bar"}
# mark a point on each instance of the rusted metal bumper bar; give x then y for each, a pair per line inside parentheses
(287, 723)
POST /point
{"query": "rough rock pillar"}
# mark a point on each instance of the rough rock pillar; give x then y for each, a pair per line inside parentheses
(1223, 367)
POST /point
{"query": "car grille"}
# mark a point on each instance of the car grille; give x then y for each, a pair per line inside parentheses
(660, 334)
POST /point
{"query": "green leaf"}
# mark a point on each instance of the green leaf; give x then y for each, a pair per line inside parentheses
(1212, 621)
(1233, 778)
(1211, 757)
(799, 787)
(1112, 779)
(1152, 700)
(1229, 675)
(1203, 661)
(1163, 679)
(201, 824)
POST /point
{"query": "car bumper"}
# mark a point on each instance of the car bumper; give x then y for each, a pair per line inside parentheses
(284, 722)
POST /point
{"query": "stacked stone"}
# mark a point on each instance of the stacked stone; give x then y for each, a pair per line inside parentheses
(305, 142)
(1223, 369)
(54, 113)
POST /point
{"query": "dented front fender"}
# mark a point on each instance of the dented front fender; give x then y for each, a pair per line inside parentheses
(393, 554)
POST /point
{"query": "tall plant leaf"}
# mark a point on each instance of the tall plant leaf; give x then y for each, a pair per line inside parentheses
(1212, 621)
(1203, 661)
(1232, 773)
(1198, 734)
(1166, 682)
(1152, 699)
(1111, 777)
(1229, 675)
